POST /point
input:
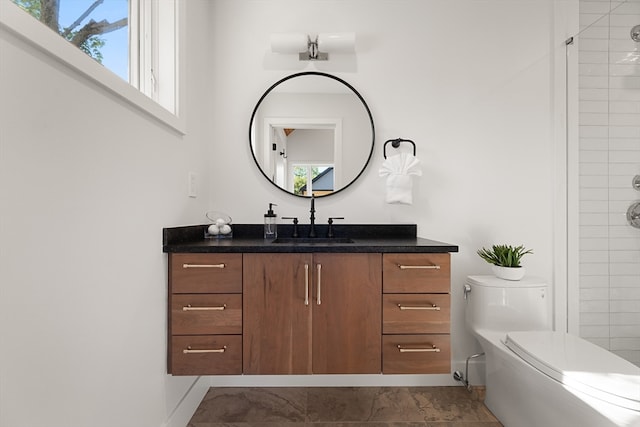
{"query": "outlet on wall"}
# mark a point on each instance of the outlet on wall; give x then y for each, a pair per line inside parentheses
(192, 187)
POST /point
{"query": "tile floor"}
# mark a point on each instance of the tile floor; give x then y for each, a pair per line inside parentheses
(342, 407)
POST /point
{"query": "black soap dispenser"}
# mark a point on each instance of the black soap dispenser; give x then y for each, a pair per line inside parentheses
(271, 223)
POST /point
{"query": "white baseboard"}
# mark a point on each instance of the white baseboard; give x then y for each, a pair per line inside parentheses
(189, 403)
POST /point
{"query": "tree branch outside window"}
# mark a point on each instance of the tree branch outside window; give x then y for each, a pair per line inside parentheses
(86, 37)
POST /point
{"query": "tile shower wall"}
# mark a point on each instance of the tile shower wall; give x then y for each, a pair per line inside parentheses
(609, 144)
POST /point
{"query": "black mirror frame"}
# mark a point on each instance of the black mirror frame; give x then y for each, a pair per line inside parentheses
(314, 73)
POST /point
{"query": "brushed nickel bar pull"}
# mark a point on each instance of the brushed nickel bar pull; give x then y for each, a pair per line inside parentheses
(188, 307)
(416, 267)
(188, 350)
(306, 284)
(434, 349)
(319, 267)
(203, 265)
(419, 307)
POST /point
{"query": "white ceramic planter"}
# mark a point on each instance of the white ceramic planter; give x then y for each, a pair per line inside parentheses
(508, 273)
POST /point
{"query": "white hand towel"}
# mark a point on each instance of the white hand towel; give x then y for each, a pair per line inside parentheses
(398, 169)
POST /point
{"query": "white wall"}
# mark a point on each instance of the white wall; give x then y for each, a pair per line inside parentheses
(471, 82)
(87, 183)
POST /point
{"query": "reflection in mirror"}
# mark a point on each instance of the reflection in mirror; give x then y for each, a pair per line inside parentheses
(311, 133)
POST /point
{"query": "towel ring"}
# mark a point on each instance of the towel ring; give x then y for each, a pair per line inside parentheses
(395, 143)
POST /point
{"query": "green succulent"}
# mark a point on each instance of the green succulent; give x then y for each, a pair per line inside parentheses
(504, 255)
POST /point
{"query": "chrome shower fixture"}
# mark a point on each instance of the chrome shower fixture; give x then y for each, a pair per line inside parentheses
(635, 33)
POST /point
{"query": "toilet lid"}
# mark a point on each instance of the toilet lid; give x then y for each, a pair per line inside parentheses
(579, 364)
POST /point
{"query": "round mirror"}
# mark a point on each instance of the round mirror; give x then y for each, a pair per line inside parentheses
(311, 133)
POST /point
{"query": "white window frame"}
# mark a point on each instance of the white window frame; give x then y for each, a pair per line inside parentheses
(154, 94)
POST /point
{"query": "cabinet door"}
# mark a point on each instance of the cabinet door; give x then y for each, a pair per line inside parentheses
(276, 318)
(347, 313)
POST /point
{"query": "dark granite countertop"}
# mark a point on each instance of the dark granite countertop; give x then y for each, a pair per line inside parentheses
(385, 238)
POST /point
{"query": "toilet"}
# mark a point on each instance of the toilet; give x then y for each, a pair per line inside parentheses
(537, 377)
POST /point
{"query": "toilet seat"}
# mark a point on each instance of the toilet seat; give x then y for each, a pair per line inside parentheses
(580, 365)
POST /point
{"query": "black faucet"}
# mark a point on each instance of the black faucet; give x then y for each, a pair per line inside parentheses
(295, 225)
(312, 227)
(330, 229)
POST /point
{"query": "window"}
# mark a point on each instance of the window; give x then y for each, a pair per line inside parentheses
(313, 179)
(133, 39)
(154, 56)
(98, 28)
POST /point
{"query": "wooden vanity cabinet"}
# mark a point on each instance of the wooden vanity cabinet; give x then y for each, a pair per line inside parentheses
(309, 313)
(416, 313)
(205, 314)
(312, 313)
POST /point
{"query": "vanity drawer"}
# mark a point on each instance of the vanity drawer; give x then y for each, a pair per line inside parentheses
(416, 314)
(414, 273)
(416, 354)
(205, 273)
(200, 314)
(206, 355)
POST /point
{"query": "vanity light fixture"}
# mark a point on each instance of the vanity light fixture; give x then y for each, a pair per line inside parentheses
(313, 49)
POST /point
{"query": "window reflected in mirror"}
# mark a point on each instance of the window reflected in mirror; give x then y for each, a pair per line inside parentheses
(313, 179)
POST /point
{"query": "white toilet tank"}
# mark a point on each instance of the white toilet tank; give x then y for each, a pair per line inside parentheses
(507, 305)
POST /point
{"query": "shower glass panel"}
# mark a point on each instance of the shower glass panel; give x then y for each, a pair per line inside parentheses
(608, 309)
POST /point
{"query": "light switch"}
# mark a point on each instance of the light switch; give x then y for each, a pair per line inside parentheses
(193, 189)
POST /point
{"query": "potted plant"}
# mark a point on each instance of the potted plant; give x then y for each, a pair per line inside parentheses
(505, 260)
